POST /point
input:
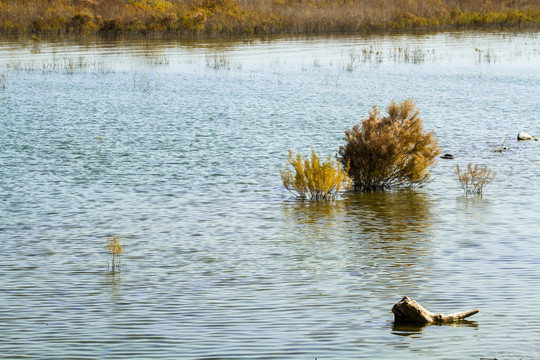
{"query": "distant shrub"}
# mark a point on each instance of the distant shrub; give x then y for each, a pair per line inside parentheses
(116, 251)
(82, 22)
(475, 179)
(52, 23)
(312, 179)
(391, 151)
(112, 26)
(214, 17)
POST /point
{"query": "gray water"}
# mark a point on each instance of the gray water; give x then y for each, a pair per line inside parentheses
(176, 148)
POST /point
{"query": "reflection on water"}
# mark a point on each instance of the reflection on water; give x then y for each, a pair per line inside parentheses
(473, 202)
(114, 280)
(393, 215)
(412, 330)
(191, 141)
(381, 240)
(387, 217)
(107, 55)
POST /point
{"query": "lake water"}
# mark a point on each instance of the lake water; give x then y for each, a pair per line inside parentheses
(176, 148)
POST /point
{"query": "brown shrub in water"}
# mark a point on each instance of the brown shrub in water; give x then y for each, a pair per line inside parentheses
(391, 151)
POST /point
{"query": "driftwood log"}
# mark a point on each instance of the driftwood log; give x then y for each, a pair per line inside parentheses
(408, 311)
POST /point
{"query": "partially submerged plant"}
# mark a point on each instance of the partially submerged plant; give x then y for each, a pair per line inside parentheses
(218, 61)
(501, 147)
(312, 179)
(475, 179)
(3, 81)
(391, 151)
(116, 252)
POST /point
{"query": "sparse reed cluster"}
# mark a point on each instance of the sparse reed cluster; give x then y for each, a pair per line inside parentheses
(474, 179)
(116, 252)
(66, 64)
(312, 179)
(224, 17)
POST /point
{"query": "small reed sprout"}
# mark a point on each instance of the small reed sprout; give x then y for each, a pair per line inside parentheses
(474, 179)
(155, 60)
(116, 252)
(313, 179)
(218, 61)
(484, 56)
(501, 147)
(3, 81)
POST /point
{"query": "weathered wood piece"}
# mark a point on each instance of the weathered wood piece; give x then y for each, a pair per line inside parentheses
(408, 311)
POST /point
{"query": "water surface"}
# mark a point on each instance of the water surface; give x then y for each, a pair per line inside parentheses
(177, 148)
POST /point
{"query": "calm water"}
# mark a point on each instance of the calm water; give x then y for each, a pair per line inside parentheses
(221, 262)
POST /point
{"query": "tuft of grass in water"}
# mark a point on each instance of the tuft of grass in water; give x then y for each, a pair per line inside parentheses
(312, 179)
(116, 252)
(157, 60)
(376, 54)
(501, 147)
(406, 54)
(474, 179)
(66, 64)
(3, 80)
(484, 56)
(351, 60)
(218, 61)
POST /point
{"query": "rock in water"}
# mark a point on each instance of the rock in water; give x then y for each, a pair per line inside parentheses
(525, 136)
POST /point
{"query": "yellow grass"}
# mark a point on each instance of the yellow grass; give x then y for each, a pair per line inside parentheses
(116, 251)
(226, 17)
(312, 179)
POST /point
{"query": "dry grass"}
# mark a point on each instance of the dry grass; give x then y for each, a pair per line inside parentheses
(391, 151)
(312, 179)
(475, 179)
(223, 17)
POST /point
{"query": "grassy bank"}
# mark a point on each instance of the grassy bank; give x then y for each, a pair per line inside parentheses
(230, 17)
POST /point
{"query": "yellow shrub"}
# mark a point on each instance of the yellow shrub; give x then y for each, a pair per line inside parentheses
(195, 19)
(312, 179)
(9, 26)
(116, 251)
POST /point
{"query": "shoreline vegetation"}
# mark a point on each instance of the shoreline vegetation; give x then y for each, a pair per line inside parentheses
(218, 18)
